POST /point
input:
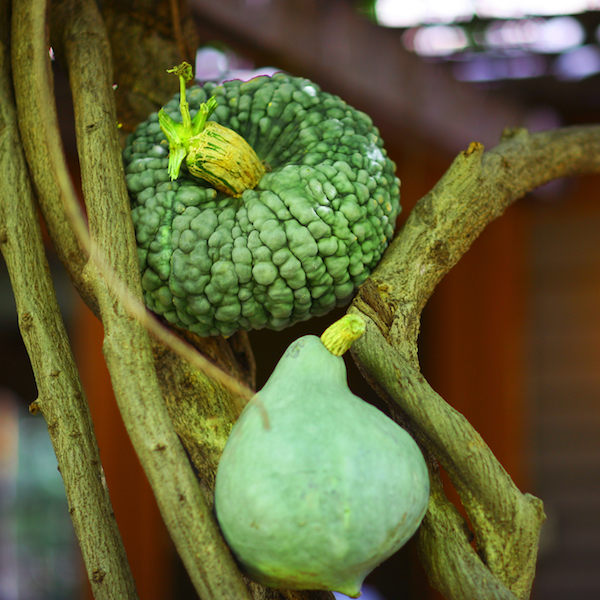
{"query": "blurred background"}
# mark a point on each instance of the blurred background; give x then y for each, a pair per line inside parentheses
(511, 337)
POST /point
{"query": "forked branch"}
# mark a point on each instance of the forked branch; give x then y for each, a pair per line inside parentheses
(476, 189)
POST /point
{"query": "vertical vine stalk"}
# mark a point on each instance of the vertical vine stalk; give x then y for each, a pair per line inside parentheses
(61, 398)
(127, 347)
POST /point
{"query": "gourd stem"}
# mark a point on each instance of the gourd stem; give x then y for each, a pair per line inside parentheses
(184, 72)
(206, 109)
(216, 154)
(339, 336)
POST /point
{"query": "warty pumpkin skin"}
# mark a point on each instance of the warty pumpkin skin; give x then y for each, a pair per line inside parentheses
(316, 487)
(296, 245)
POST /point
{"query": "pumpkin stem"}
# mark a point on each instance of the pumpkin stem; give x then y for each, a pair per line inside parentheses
(216, 153)
(185, 74)
(179, 134)
(339, 336)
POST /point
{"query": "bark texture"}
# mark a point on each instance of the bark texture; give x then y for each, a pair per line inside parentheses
(61, 399)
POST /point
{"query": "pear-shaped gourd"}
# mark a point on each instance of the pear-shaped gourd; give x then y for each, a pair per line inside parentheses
(316, 487)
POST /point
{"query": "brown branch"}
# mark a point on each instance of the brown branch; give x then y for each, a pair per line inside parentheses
(453, 566)
(507, 523)
(61, 399)
(66, 222)
(41, 137)
(177, 30)
(475, 190)
(147, 39)
(180, 366)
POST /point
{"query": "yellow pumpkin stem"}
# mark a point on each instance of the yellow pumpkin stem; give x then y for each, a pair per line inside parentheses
(225, 159)
(212, 152)
(339, 336)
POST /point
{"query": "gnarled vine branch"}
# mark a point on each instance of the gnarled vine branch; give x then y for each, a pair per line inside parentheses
(476, 189)
(127, 347)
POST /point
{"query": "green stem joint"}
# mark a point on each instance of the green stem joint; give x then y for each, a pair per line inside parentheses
(340, 335)
(212, 152)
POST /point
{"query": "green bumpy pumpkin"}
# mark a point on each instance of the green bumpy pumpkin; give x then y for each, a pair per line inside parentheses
(316, 487)
(297, 245)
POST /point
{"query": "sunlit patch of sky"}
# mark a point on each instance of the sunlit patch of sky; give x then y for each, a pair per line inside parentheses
(538, 35)
(498, 39)
(578, 64)
(437, 40)
(399, 13)
(396, 13)
(213, 64)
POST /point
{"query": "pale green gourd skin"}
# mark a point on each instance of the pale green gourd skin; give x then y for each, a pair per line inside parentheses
(316, 487)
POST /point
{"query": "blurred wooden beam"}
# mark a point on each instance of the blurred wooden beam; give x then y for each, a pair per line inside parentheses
(330, 43)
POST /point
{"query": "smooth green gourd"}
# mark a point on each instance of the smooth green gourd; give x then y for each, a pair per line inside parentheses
(316, 487)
